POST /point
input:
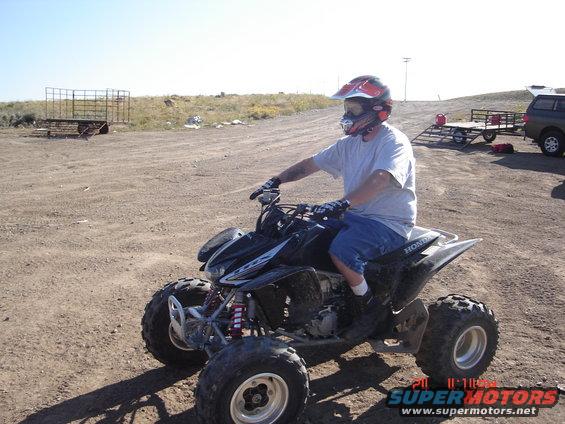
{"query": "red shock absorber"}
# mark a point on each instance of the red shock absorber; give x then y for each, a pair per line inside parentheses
(237, 317)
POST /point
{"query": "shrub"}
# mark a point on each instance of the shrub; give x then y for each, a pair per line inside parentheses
(262, 112)
(26, 119)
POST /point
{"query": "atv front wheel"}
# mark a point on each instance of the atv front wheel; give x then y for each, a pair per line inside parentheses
(460, 339)
(254, 380)
(160, 339)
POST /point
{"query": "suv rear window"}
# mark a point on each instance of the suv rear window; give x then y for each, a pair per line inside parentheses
(560, 105)
(544, 104)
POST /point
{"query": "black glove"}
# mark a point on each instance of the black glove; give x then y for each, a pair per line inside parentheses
(274, 182)
(331, 209)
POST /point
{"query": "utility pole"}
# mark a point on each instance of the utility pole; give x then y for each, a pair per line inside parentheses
(406, 60)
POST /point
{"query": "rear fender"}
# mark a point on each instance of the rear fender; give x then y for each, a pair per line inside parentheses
(442, 254)
(434, 259)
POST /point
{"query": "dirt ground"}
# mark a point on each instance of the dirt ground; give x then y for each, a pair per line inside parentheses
(89, 230)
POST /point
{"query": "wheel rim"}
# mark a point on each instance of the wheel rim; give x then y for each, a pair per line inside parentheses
(551, 144)
(470, 347)
(260, 399)
(488, 135)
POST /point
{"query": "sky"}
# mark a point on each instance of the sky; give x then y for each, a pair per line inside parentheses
(190, 47)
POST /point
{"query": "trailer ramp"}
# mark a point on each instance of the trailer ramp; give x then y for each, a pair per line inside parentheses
(440, 133)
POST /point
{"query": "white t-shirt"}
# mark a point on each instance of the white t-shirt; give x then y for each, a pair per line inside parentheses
(355, 160)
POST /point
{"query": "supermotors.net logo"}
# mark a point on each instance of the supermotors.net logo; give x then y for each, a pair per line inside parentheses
(463, 402)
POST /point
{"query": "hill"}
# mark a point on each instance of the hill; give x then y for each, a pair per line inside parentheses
(517, 95)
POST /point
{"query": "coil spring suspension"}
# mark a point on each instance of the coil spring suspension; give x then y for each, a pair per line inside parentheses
(237, 317)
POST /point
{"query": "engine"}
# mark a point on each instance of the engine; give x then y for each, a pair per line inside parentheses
(330, 318)
(325, 323)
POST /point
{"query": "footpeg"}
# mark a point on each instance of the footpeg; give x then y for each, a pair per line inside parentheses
(409, 325)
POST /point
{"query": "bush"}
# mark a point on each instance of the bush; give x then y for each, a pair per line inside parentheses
(26, 119)
(262, 112)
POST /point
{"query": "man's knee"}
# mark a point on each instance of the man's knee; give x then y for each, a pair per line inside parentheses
(344, 254)
(351, 276)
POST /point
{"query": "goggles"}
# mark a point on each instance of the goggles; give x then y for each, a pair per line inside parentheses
(353, 108)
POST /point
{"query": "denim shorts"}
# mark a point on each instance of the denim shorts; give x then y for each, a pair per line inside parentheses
(361, 239)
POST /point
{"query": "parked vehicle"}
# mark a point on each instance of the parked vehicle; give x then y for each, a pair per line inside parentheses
(545, 123)
(276, 289)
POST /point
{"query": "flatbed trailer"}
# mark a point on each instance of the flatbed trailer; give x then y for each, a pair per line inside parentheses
(485, 122)
(86, 112)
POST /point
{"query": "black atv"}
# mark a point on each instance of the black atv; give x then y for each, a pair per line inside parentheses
(276, 288)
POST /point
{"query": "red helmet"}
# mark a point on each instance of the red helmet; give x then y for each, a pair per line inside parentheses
(374, 99)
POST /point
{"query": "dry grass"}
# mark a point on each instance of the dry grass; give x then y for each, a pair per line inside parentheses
(151, 113)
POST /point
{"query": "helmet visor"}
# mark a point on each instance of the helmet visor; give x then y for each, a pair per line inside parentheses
(359, 89)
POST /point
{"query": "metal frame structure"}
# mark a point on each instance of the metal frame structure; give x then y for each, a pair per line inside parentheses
(87, 111)
(485, 122)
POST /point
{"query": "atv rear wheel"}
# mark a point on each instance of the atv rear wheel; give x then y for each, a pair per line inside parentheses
(254, 380)
(460, 339)
(160, 340)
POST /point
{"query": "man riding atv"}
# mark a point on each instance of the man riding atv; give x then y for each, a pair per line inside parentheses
(379, 203)
(278, 288)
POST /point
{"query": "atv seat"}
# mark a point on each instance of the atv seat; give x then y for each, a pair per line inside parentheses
(420, 238)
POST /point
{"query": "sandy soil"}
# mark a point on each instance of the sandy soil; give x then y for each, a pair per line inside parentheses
(89, 230)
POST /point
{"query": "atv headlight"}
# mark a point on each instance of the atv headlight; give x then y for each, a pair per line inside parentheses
(216, 271)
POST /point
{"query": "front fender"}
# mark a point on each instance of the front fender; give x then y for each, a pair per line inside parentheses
(216, 242)
(277, 274)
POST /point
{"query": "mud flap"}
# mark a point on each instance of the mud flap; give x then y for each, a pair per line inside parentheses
(408, 326)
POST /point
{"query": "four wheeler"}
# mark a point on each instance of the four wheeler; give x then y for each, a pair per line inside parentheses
(274, 289)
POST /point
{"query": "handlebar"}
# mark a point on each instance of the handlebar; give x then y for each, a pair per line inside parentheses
(270, 198)
(256, 193)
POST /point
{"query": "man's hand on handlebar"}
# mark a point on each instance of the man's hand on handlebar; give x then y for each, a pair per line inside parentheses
(274, 182)
(330, 209)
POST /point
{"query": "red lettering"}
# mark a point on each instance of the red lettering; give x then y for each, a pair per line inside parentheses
(505, 395)
(536, 397)
(486, 384)
(473, 397)
(420, 382)
(550, 397)
(520, 397)
(490, 397)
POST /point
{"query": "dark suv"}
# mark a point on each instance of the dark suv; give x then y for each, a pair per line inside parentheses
(545, 123)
